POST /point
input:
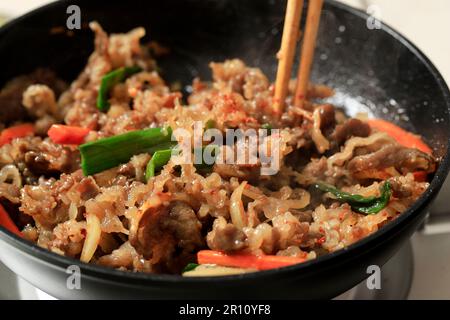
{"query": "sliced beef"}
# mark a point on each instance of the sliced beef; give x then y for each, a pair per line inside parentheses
(350, 128)
(11, 95)
(393, 155)
(50, 159)
(327, 116)
(226, 237)
(167, 234)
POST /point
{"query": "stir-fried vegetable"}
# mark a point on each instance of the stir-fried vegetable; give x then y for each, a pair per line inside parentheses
(210, 124)
(19, 131)
(237, 211)
(109, 81)
(93, 233)
(403, 137)
(361, 204)
(158, 160)
(212, 270)
(190, 267)
(161, 158)
(109, 152)
(63, 134)
(7, 223)
(245, 260)
(268, 127)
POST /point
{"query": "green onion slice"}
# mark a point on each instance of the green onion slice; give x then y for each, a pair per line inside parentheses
(109, 81)
(159, 159)
(190, 267)
(109, 152)
(361, 204)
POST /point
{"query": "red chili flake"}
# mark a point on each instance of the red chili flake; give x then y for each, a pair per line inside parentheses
(321, 240)
(250, 119)
(170, 100)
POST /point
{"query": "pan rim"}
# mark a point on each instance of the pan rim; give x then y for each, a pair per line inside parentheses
(328, 260)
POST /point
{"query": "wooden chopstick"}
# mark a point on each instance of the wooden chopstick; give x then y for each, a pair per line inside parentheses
(286, 54)
(307, 54)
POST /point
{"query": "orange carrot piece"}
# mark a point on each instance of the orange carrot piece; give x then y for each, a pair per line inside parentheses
(7, 223)
(420, 176)
(63, 134)
(19, 131)
(242, 260)
(402, 136)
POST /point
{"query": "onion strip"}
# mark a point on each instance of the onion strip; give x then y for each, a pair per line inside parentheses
(11, 172)
(237, 212)
(322, 144)
(93, 233)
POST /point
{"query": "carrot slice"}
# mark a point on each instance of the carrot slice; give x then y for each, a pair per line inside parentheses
(63, 134)
(420, 176)
(402, 136)
(242, 260)
(7, 223)
(19, 131)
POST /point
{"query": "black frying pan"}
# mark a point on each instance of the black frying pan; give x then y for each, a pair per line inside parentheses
(379, 68)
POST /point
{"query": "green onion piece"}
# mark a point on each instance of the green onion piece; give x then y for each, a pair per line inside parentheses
(268, 127)
(190, 267)
(109, 152)
(200, 164)
(210, 124)
(379, 204)
(158, 160)
(109, 81)
(161, 158)
(343, 196)
(361, 204)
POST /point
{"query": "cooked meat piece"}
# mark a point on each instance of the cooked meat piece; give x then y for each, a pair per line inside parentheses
(41, 203)
(399, 189)
(11, 95)
(39, 100)
(125, 256)
(327, 116)
(226, 236)
(393, 155)
(87, 188)
(350, 128)
(49, 159)
(290, 231)
(69, 237)
(161, 231)
(182, 222)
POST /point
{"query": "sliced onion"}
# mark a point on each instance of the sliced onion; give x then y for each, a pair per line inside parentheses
(320, 141)
(11, 172)
(237, 212)
(93, 233)
(299, 203)
(253, 192)
(73, 211)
